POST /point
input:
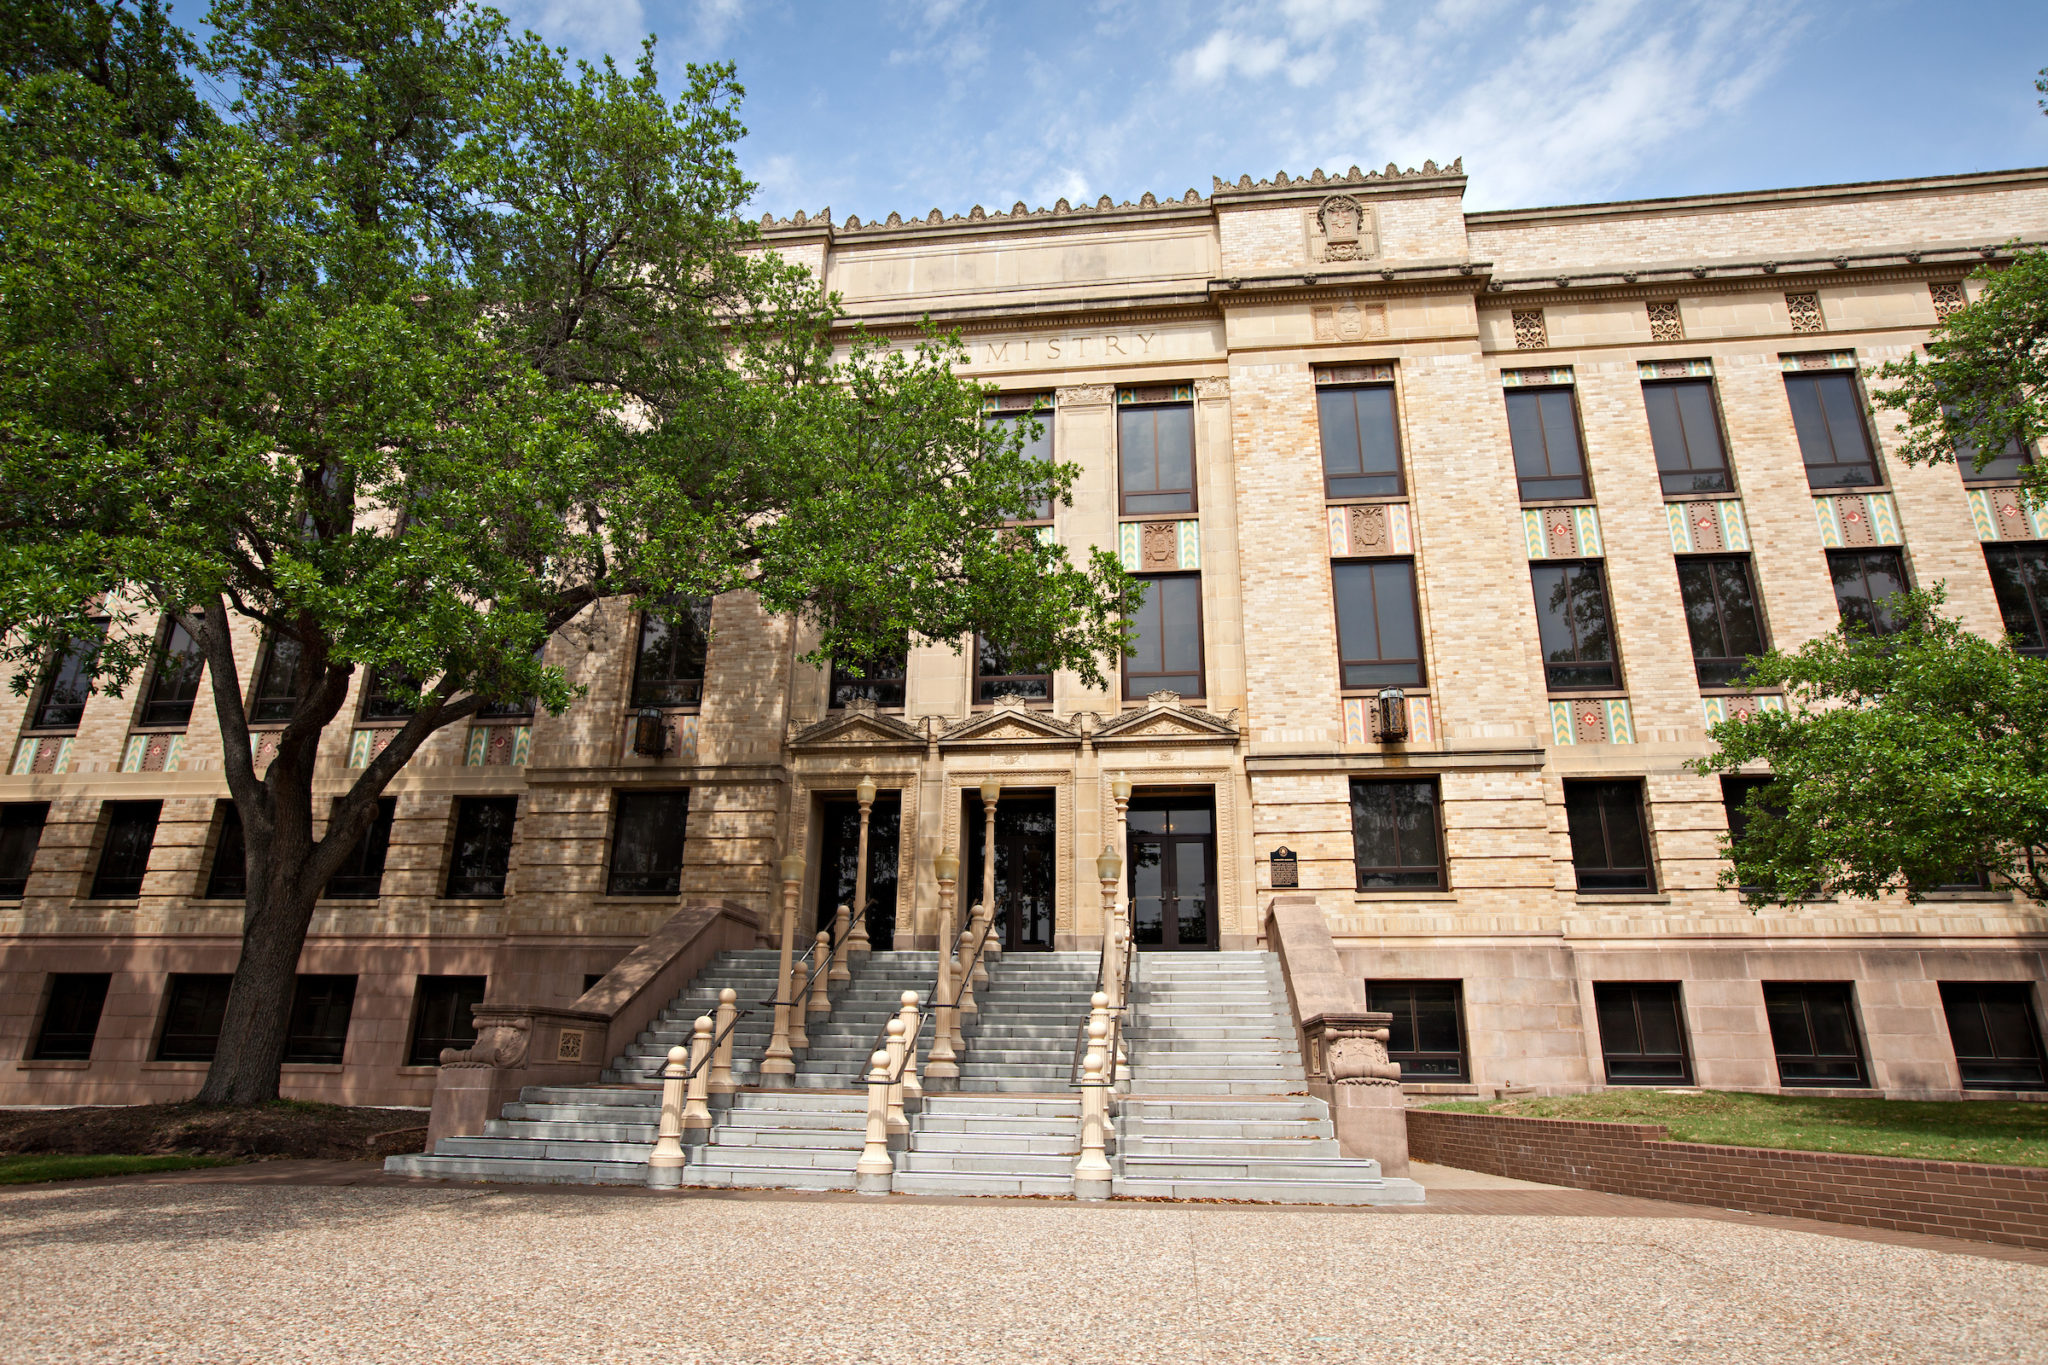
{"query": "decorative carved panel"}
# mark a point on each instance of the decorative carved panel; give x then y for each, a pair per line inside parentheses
(1805, 311)
(1562, 532)
(1350, 321)
(1342, 228)
(1947, 296)
(2007, 514)
(1383, 528)
(1714, 710)
(1665, 324)
(1530, 333)
(1592, 720)
(1849, 520)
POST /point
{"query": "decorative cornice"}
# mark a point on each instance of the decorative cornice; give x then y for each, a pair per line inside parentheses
(1317, 180)
(859, 727)
(1148, 203)
(1011, 722)
(1166, 720)
(1909, 262)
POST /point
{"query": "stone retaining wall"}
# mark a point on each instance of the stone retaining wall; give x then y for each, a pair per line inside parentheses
(2007, 1204)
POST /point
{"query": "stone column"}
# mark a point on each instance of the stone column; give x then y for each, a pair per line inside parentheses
(778, 1063)
(842, 946)
(913, 1091)
(860, 943)
(820, 1006)
(876, 1170)
(696, 1111)
(942, 1071)
(721, 1085)
(665, 1163)
(1093, 1175)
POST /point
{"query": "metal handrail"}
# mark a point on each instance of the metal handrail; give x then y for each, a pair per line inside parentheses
(927, 1013)
(1113, 1042)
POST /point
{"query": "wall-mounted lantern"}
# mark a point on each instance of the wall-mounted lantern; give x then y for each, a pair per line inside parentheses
(1392, 706)
(650, 733)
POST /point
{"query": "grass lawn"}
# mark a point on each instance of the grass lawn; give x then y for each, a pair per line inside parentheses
(1964, 1130)
(24, 1170)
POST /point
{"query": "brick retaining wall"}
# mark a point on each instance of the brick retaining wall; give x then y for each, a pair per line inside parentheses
(1979, 1203)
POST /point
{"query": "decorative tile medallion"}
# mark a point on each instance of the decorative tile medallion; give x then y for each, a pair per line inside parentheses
(1718, 709)
(1707, 527)
(1159, 546)
(1674, 369)
(1592, 720)
(1817, 360)
(2007, 514)
(498, 746)
(153, 753)
(42, 754)
(1854, 520)
(1526, 379)
(1157, 393)
(365, 745)
(1562, 532)
(1374, 528)
(1359, 727)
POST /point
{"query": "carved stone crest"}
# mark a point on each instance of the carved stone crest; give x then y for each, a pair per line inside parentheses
(1159, 545)
(1346, 228)
(1368, 528)
(1349, 321)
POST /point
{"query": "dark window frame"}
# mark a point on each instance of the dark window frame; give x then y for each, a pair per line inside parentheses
(1683, 1074)
(52, 717)
(376, 705)
(362, 873)
(109, 883)
(1134, 683)
(1193, 493)
(884, 681)
(1874, 459)
(1880, 622)
(16, 816)
(1690, 471)
(1555, 671)
(1736, 789)
(620, 882)
(200, 997)
(1721, 670)
(989, 686)
(1588, 876)
(1398, 474)
(304, 1046)
(688, 622)
(1857, 1058)
(487, 884)
(442, 993)
(1535, 395)
(227, 869)
(2029, 1021)
(2033, 595)
(66, 996)
(173, 712)
(1379, 994)
(1345, 570)
(1439, 869)
(271, 703)
(1040, 513)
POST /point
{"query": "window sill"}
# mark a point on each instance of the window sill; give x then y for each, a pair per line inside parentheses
(109, 902)
(175, 1066)
(53, 1064)
(684, 708)
(468, 902)
(1849, 491)
(1366, 500)
(1967, 896)
(1623, 897)
(1727, 495)
(1396, 893)
(71, 733)
(312, 1068)
(1190, 515)
(1583, 501)
(624, 898)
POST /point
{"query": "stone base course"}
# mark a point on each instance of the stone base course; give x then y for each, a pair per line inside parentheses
(1965, 1200)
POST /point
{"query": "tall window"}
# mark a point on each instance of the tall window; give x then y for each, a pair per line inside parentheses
(669, 669)
(515, 708)
(318, 1031)
(60, 702)
(1828, 414)
(228, 879)
(2019, 576)
(71, 1020)
(21, 833)
(124, 857)
(1642, 1033)
(1813, 1031)
(647, 843)
(277, 682)
(443, 1016)
(1037, 448)
(361, 877)
(1426, 1037)
(1610, 846)
(1997, 1039)
(1167, 653)
(483, 846)
(1000, 671)
(174, 679)
(881, 680)
(1864, 580)
(1736, 794)
(1361, 441)
(1379, 641)
(1394, 834)
(2002, 467)
(1721, 615)
(192, 1016)
(1573, 625)
(1685, 431)
(1156, 458)
(384, 695)
(1550, 460)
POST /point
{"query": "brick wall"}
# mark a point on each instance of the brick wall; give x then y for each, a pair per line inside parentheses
(1978, 1203)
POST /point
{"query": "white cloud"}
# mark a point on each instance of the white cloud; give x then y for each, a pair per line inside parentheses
(586, 27)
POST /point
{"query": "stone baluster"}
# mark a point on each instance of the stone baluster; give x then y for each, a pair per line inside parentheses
(841, 925)
(696, 1110)
(1093, 1175)
(665, 1163)
(860, 943)
(978, 927)
(778, 1063)
(899, 1126)
(913, 1092)
(821, 978)
(967, 1002)
(721, 1085)
(942, 1069)
(876, 1170)
(1109, 866)
(799, 1011)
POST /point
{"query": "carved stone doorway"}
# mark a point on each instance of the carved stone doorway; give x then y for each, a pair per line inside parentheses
(1027, 877)
(1171, 851)
(840, 860)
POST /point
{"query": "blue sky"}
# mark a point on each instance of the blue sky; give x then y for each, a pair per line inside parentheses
(911, 105)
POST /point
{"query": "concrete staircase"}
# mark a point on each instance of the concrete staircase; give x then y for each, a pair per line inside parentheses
(841, 1043)
(1219, 1105)
(1022, 1040)
(752, 974)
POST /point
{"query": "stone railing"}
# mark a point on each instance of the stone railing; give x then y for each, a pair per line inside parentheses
(521, 1045)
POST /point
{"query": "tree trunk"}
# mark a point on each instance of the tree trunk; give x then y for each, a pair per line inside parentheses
(253, 1032)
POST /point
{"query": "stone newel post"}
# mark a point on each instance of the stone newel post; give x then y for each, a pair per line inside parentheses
(876, 1170)
(1092, 1172)
(665, 1163)
(721, 1086)
(778, 1063)
(942, 1071)
(860, 943)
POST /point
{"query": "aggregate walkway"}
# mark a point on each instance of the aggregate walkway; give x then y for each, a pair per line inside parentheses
(323, 1262)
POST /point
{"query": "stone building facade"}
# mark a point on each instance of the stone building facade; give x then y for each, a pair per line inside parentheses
(1516, 465)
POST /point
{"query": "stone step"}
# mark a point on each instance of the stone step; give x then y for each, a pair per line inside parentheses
(575, 1113)
(928, 1140)
(537, 1131)
(560, 1150)
(1010, 1163)
(1272, 1191)
(712, 1176)
(786, 1135)
(952, 1105)
(832, 1158)
(1271, 1109)
(585, 1094)
(1180, 1130)
(523, 1170)
(1322, 1170)
(783, 1101)
(962, 1182)
(1311, 1145)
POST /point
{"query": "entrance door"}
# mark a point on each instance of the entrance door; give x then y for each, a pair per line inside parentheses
(1025, 859)
(840, 863)
(1172, 853)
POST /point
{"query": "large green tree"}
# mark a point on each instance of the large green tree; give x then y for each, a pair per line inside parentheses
(412, 346)
(1902, 762)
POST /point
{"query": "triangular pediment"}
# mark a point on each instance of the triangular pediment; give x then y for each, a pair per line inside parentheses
(1010, 723)
(1169, 722)
(859, 728)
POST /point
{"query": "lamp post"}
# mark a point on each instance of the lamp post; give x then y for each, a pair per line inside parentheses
(1120, 793)
(858, 942)
(942, 1070)
(991, 793)
(778, 1063)
(1109, 867)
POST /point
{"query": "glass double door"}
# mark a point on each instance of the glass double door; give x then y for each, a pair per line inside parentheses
(1026, 862)
(1171, 848)
(841, 862)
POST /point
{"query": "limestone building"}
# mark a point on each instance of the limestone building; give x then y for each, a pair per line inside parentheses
(1458, 526)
